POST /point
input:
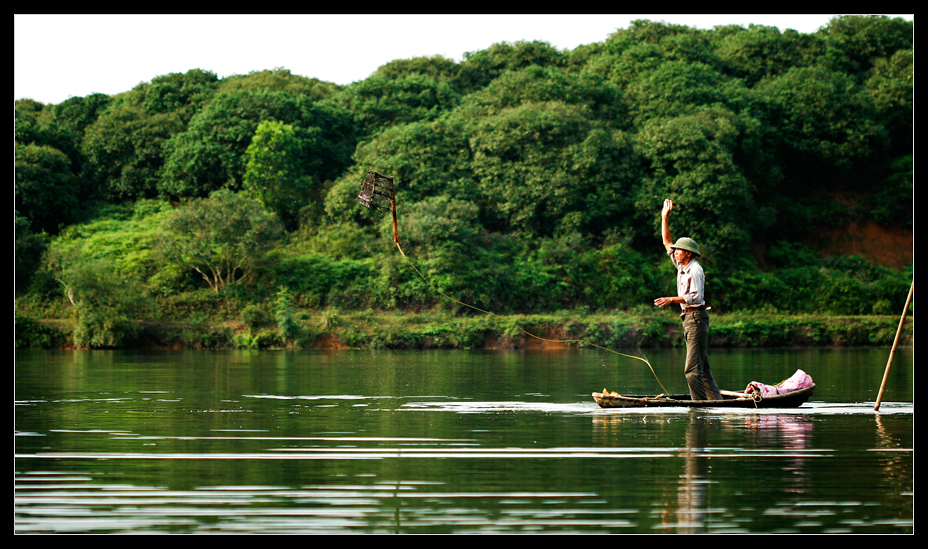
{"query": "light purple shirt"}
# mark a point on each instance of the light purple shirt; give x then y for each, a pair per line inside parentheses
(691, 282)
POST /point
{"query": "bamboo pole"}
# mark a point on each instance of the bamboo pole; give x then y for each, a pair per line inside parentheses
(396, 238)
(879, 398)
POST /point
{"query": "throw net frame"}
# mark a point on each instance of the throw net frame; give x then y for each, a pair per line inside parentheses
(378, 193)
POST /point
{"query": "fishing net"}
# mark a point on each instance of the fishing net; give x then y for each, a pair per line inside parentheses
(376, 192)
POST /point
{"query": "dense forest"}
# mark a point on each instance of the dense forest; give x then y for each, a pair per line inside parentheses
(529, 180)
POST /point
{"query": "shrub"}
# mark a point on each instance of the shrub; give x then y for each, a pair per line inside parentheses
(254, 316)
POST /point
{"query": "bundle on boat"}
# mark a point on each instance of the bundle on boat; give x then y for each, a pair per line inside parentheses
(790, 393)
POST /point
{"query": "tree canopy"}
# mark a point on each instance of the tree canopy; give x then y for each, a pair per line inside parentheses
(527, 177)
(222, 237)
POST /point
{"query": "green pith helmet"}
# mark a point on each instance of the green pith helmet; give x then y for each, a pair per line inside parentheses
(687, 244)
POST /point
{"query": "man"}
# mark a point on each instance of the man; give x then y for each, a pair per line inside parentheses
(691, 285)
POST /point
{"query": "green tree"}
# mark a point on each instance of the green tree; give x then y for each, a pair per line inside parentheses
(444, 238)
(183, 94)
(274, 172)
(123, 137)
(425, 158)
(279, 80)
(223, 237)
(680, 87)
(760, 52)
(892, 202)
(210, 154)
(103, 302)
(653, 32)
(124, 236)
(29, 248)
(864, 39)
(45, 188)
(124, 150)
(692, 47)
(482, 67)
(545, 168)
(693, 161)
(35, 124)
(284, 314)
(824, 121)
(599, 98)
(891, 87)
(614, 276)
(436, 67)
(378, 102)
(623, 63)
(76, 113)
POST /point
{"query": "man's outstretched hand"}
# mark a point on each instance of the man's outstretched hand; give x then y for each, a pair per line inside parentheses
(668, 205)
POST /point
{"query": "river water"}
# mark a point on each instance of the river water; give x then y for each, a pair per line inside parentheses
(453, 442)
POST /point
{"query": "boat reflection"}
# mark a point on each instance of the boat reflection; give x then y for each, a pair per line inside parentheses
(784, 437)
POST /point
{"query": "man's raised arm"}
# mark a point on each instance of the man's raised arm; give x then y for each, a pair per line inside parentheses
(665, 224)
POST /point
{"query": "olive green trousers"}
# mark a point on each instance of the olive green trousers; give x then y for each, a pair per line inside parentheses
(697, 371)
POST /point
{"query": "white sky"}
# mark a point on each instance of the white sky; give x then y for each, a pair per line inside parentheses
(61, 56)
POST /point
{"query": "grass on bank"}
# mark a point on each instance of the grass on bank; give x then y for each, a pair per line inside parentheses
(335, 329)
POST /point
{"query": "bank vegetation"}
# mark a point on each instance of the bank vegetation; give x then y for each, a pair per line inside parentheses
(200, 212)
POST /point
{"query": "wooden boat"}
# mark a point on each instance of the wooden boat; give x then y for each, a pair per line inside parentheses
(730, 399)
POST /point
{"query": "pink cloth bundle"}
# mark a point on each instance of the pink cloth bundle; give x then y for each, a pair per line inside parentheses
(799, 380)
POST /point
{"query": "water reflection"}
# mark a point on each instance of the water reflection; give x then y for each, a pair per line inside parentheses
(691, 495)
(443, 443)
(787, 438)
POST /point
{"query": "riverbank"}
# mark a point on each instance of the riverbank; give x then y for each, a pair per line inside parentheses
(331, 329)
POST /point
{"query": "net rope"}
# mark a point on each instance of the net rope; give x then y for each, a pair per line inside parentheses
(579, 341)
